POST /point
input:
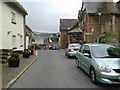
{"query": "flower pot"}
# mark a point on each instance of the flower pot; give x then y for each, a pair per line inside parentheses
(13, 63)
(32, 51)
(26, 55)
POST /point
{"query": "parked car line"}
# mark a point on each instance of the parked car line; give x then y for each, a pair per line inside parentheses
(100, 61)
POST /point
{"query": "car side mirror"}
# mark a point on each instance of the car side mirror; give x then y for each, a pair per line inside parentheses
(87, 55)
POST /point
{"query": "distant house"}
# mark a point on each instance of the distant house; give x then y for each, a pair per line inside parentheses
(65, 26)
(28, 37)
(38, 39)
(75, 35)
(89, 20)
(12, 26)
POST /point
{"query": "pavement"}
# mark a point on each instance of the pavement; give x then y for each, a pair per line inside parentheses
(10, 75)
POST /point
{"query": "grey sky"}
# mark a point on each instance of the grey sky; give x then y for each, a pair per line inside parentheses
(44, 15)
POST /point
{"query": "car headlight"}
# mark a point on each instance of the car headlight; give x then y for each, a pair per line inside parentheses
(105, 69)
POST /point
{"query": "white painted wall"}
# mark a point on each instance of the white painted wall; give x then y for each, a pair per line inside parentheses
(14, 28)
(0, 43)
(27, 41)
(0, 24)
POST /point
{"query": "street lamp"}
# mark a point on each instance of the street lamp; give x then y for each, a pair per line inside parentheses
(92, 34)
(99, 25)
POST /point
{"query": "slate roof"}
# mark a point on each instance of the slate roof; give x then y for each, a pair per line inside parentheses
(77, 30)
(46, 41)
(28, 31)
(91, 7)
(29, 28)
(118, 7)
(66, 24)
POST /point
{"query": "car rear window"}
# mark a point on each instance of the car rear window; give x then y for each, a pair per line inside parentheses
(74, 45)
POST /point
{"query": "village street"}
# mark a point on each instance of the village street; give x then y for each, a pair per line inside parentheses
(37, 39)
(53, 69)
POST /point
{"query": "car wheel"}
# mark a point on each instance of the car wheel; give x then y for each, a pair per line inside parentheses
(68, 56)
(93, 75)
(65, 54)
(77, 62)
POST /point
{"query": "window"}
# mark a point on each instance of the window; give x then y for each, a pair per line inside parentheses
(14, 41)
(76, 37)
(21, 41)
(105, 52)
(87, 49)
(13, 18)
(81, 49)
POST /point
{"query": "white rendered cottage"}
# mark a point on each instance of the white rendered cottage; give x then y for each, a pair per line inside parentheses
(12, 26)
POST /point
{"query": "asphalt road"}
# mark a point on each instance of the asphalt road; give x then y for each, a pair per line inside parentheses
(54, 70)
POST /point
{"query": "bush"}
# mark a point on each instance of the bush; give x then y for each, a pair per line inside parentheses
(54, 39)
(107, 37)
(14, 56)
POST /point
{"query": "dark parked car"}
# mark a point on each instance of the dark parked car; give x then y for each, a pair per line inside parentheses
(53, 48)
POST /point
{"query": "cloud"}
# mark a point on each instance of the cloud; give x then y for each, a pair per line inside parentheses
(44, 15)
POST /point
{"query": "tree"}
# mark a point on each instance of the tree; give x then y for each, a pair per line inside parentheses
(54, 39)
(108, 37)
(107, 9)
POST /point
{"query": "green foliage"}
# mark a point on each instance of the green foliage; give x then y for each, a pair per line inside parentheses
(119, 35)
(108, 37)
(14, 56)
(106, 9)
(54, 39)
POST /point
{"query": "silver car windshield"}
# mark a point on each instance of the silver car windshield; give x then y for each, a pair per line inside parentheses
(105, 52)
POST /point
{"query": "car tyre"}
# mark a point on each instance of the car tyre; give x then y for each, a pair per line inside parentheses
(65, 54)
(68, 56)
(77, 62)
(93, 75)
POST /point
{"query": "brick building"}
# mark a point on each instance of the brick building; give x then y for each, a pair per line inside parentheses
(92, 24)
(65, 26)
(75, 35)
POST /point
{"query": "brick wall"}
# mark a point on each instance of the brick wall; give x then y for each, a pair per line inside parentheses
(91, 23)
(63, 39)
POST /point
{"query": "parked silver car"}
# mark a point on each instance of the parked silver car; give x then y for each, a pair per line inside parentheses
(72, 49)
(101, 62)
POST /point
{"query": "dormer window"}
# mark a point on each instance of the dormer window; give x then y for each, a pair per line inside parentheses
(13, 18)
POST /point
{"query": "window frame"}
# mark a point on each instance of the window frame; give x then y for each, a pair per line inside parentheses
(76, 36)
(14, 40)
(13, 18)
(82, 49)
